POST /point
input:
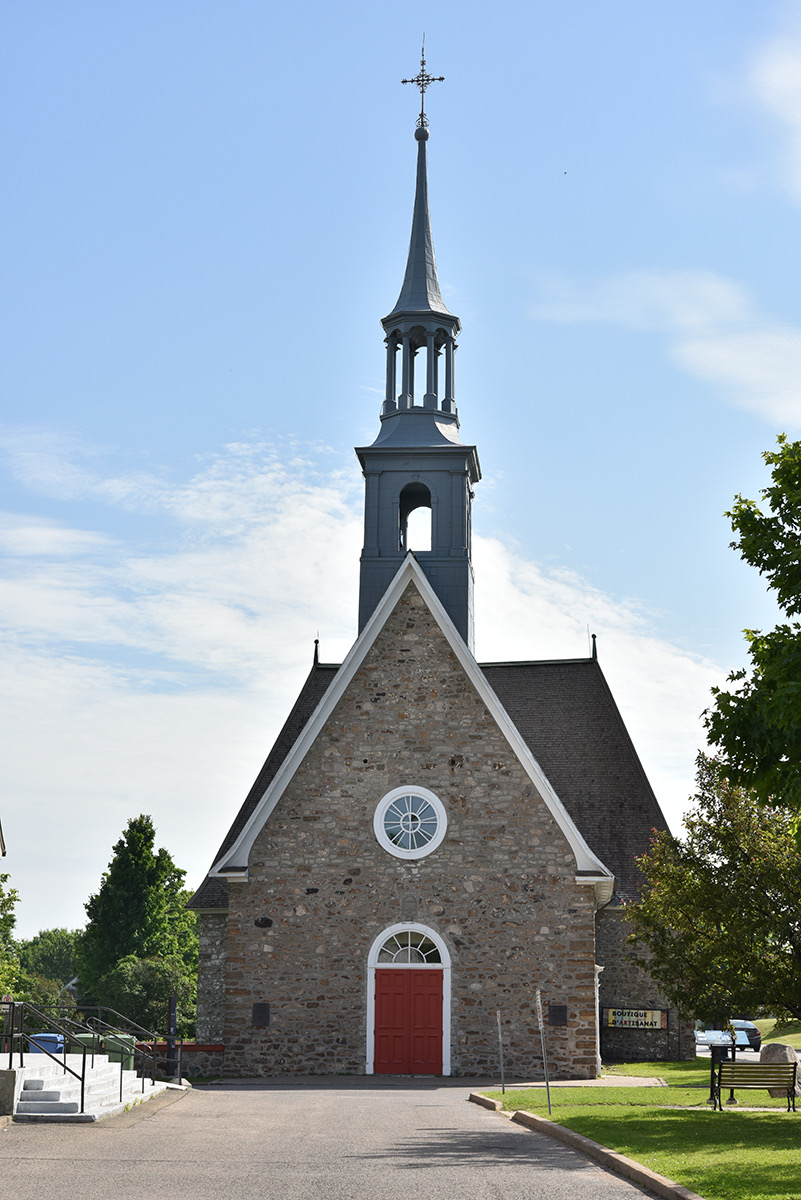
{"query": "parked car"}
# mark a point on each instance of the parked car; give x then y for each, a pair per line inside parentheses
(754, 1035)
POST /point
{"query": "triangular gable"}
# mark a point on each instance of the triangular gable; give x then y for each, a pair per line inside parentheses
(232, 864)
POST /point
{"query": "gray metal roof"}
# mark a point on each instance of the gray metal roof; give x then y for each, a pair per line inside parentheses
(420, 292)
(213, 892)
(567, 716)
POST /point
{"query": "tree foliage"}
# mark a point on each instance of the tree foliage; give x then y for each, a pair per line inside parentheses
(19, 978)
(50, 953)
(720, 915)
(138, 912)
(756, 724)
(44, 992)
(140, 988)
(9, 962)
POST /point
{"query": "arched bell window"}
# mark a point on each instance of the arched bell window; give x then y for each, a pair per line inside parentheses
(414, 518)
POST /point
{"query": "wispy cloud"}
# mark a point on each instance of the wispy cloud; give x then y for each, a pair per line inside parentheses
(712, 329)
(155, 679)
(526, 611)
(775, 82)
(34, 537)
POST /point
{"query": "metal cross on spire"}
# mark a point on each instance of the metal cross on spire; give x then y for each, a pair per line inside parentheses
(423, 80)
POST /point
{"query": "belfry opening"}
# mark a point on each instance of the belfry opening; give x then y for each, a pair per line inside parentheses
(414, 518)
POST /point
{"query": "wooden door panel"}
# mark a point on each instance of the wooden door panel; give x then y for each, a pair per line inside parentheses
(391, 1022)
(425, 1049)
(408, 1022)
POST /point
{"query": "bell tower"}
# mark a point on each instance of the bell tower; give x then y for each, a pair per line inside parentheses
(418, 460)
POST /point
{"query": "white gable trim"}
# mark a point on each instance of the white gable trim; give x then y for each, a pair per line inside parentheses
(409, 572)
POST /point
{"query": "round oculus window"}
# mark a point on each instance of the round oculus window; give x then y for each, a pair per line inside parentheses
(410, 822)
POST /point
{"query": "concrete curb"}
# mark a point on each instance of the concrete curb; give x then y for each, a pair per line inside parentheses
(618, 1163)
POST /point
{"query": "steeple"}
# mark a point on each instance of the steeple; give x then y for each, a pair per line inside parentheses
(418, 459)
(420, 294)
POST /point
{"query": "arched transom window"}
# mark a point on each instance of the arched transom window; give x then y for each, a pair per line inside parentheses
(408, 946)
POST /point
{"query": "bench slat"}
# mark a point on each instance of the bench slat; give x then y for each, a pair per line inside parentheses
(757, 1076)
(748, 1072)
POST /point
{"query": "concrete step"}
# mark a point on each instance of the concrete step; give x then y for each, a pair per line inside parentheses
(27, 1107)
(58, 1118)
(101, 1095)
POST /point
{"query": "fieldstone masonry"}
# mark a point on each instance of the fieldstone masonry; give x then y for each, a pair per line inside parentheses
(500, 890)
(623, 984)
(212, 933)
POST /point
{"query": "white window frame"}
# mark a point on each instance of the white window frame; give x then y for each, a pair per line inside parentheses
(380, 813)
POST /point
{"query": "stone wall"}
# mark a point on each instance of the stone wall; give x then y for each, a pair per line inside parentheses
(625, 985)
(199, 1060)
(500, 890)
(211, 975)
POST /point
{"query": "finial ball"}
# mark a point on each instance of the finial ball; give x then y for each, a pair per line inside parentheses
(421, 133)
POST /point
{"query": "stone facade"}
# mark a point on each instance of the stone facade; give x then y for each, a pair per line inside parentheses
(199, 1060)
(212, 933)
(623, 984)
(500, 891)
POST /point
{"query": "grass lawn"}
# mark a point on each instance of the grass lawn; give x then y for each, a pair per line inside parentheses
(789, 1034)
(729, 1155)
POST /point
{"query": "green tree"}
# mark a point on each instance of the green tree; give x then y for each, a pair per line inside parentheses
(22, 980)
(138, 911)
(756, 724)
(50, 953)
(720, 915)
(140, 988)
(9, 961)
(44, 993)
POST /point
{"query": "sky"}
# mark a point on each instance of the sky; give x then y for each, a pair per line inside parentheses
(206, 213)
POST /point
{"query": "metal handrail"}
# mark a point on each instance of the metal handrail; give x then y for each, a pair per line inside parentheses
(110, 1034)
(98, 1028)
(20, 1006)
(145, 1035)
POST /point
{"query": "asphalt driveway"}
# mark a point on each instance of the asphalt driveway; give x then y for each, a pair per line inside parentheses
(307, 1139)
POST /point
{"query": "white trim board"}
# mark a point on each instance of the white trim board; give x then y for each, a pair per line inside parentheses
(409, 572)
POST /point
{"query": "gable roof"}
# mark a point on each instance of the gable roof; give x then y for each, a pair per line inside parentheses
(213, 891)
(284, 759)
(567, 714)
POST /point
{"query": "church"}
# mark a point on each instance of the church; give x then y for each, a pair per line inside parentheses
(436, 852)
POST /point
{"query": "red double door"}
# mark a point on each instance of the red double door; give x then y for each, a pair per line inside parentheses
(408, 1022)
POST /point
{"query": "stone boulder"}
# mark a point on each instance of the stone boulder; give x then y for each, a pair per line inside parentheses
(774, 1052)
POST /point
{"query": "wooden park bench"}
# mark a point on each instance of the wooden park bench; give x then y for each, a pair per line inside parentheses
(781, 1075)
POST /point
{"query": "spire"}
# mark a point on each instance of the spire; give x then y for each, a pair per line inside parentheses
(420, 292)
(418, 461)
(420, 321)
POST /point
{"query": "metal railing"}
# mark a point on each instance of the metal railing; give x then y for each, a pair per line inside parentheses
(14, 1031)
(120, 1026)
(102, 1030)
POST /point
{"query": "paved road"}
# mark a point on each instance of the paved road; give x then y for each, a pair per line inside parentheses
(302, 1140)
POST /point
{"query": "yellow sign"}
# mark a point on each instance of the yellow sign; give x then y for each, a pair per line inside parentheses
(636, 1018)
